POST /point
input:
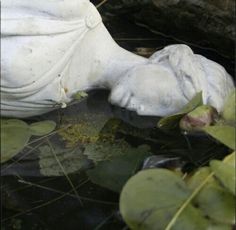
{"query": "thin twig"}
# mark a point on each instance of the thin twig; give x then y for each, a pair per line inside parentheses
(70, 195)
(64, 172)
(39, 206)
(103, 222)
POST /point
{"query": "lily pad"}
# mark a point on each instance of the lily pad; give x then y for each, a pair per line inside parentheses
(170, 122)
(15, 135)
(230, 108)
(225, 172)
(223, 133)
(219, 227)
(152, 197)
(214, 200)
(42, 128)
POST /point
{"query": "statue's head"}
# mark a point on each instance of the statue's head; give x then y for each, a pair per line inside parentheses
(169, 81)
(149, 90)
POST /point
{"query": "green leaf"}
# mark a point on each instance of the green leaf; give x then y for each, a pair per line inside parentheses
(14, 136)
(151, 198)
(225, 172)
(230, 108)
(171, 121)
(219, 227)
(120, 164)
(194, 103)
(42, 128)
(215, 201)
(80, 95)
(224, 134)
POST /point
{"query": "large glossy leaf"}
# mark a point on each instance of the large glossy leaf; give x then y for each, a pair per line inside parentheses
(151, 198)
(42, 128)
(171, 121)
(217, 203)
(230, 108)
(214, 200)
(14, 136)
(225, 172)
(224, 134)
(219, 227)
(120, 164)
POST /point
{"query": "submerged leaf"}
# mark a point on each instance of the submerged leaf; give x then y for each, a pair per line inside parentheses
(120, 164)
(150, 199)
(42, 128)
(170, 122)
(224, 134)
(72, 160)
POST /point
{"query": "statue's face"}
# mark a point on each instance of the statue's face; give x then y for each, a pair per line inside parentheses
(149, 90)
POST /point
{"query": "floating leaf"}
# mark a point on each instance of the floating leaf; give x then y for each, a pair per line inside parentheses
(42, 128)
(215, 201)
(14, 136)
(151, 198)
(224, 134)
(219, 227)
(225, 172)
(171, 121)
(230, 108)
(114, 172)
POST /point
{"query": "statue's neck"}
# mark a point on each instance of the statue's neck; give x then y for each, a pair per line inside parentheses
(99, 62)
(120, 62)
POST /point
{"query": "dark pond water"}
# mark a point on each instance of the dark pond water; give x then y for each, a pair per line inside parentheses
(34, 201)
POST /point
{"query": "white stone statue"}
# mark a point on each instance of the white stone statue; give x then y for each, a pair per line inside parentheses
(52, 49)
